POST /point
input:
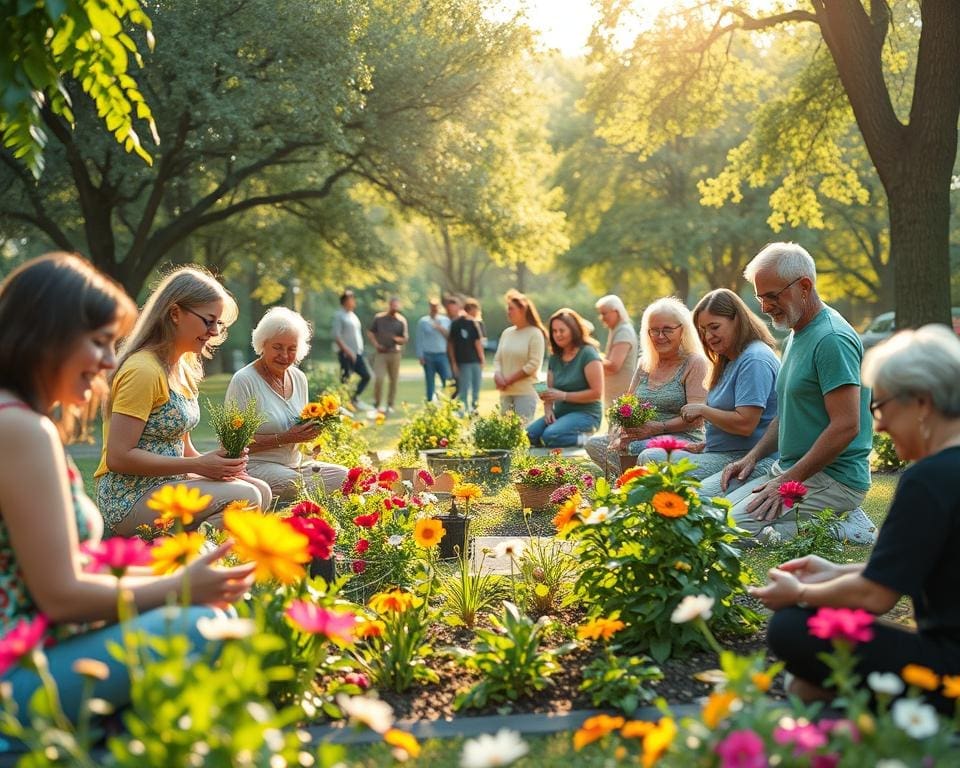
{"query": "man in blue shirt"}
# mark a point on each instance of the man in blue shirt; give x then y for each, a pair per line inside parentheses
(433, 330)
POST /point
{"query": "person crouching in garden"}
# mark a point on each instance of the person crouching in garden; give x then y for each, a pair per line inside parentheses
(281, 340)
(915, 377)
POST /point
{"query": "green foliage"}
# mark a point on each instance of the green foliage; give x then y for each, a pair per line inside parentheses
(435, 425)
(549, 472)
(468, 592)
(234, 426)
(816, 535)
(510, 659)
(342, 441)
(546, 571)
(619, 681)
(43, 45)
(500, 431)
(885, 458)
(646, 545)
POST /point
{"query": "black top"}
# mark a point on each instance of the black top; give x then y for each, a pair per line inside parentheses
(918, 547)
(464, 334)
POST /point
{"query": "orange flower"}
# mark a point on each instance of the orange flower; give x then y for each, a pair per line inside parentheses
(370, 628)
(921, 677)
(717, 708)
(951, 686)
(237, 422)
(631, 474)
(762, 680)
(658, 740)
(278, 550)
(595, 728)
(330, 404)
(405, 742)
(496, 469)
(427, 533)
(669, 504)
(636, 729)
(567, 516)
(600, 628)
(394, 601)
(312, 411)
(467, 491)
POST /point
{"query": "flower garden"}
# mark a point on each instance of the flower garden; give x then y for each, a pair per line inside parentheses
(614, 594)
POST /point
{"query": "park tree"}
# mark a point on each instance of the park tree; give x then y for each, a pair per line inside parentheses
(309, 110)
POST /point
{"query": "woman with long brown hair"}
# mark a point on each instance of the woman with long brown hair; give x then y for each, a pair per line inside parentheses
(519, 357)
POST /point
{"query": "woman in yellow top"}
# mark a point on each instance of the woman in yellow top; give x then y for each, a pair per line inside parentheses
(153, 406)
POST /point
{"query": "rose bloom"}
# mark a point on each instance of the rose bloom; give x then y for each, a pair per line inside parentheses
(791, 492)
(849, 625)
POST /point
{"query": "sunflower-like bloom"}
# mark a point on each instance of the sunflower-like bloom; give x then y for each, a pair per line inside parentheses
(330, 404)
(467, 491)
(427, 533)
(178, 502)
(568, 515)
(277, 549)
(669, 504)
(598, 628)
(173, 552)
(394, 601)
(312, 411)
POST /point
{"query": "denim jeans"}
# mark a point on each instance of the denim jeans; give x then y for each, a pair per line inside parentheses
(436, 363)
(468, 384)
(357, 366)
(565, 431)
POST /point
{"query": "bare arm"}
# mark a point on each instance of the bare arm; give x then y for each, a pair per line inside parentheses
(618, 355)
(846, 590)
(742, 420)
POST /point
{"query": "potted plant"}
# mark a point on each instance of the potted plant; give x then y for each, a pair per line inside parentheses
(456, 523)
(436, 425)
(538, 480)
(500, 431)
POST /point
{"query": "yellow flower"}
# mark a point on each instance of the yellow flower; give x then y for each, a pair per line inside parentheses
(762, 680)
(636, 729)
(595, 728)
(177, 502)
(312, 411)
(951, 686)
(567, 516)
(658, 741)
(92, 668)
(600, 628)
(369, 628)
(866, 724)
(394, 601)
(467, 491)
(278, 550)
(921, 677)
(681, 565)
(427, 533)
(669, 504)
(717, 708)
(175, 551)
(406, 742)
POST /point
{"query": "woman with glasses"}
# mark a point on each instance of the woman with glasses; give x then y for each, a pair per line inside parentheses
(572, 407)
(620, 355)
(915, 377)
(519, 357)
(153, 406)
(742, 397)
(671, 374)
(59, 321)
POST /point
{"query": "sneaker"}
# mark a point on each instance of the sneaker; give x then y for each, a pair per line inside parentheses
(388, 410)
(857, 528)
(362, 406)
(582, 440)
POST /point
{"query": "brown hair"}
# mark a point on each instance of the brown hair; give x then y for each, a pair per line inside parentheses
(578, 329)
(529, 310)
(725, 303)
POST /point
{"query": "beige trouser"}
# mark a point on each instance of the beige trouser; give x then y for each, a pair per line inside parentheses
(287, 482)
(386, 365)
(822, 492)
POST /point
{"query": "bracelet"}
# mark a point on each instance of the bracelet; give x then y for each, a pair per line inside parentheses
(278, 439)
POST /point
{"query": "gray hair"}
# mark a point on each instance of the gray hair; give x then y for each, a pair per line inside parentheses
(279, 320)
(790, 260)
(614, 302)
(921, 362)
(689, 342)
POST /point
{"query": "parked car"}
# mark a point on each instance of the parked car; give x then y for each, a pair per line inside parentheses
(884, 324)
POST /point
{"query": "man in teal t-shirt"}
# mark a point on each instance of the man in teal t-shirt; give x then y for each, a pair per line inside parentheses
(823, 429)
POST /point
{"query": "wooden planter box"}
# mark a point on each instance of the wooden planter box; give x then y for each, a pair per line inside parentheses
(535, 497)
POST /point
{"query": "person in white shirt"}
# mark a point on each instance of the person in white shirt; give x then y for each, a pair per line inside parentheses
(348, 338)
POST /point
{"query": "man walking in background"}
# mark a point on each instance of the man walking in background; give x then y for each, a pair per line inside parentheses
(465, 347)
(388, 333)
(431, 345)
(348, 336)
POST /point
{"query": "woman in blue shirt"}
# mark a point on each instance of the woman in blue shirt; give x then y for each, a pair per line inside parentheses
(742, 397)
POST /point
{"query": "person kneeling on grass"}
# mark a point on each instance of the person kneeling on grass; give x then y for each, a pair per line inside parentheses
(916, 389)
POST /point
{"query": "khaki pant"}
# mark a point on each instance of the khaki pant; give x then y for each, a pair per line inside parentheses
(386, 365)
(287, 482)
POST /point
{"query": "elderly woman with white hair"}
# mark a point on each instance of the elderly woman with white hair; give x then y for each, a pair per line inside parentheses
(620, 355)
(671, 373)
(915, 377)
(281, 340)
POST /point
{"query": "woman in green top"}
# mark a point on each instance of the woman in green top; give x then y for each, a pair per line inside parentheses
(572, 406)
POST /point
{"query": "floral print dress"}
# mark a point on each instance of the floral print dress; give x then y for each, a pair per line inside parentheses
(162, 434)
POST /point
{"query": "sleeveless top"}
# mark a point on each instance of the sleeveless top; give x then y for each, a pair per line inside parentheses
(15, 601)
(668, 398)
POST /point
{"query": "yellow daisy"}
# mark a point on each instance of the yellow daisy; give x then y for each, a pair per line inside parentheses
(173, 552)
(277, 549)
(427, 533)
(178, 502)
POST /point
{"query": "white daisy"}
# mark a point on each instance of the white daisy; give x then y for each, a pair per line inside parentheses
(915, 718)
(885, 682)
(512, 548)
(375, 714)
(487, 751)
(693, 607)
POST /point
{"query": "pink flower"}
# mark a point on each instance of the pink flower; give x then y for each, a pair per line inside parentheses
(841, 726)
(805, 738)
(367, 521)
(358, 679)
(362, 546)
(321, 621)
(116, 555)
(791, 492)
(426, 478)
(741, 749)
(625, 410)
(667, 443)
(563, 493)
(852, 625)
(359, 566)
(306, 509)
(22, 638)
(319, 532)
(587, 480)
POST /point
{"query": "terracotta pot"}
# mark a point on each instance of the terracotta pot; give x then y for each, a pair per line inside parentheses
(627, 460)
(535, 497)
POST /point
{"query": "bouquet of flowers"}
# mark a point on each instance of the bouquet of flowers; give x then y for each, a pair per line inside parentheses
(627, 411)
(235, 426)
(322, 411)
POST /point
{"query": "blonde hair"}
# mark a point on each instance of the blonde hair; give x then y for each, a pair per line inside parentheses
(689, 339)
(186, 287)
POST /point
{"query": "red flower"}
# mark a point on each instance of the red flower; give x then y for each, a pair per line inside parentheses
(367, 521)
(116, 555)
(362, 546)
(443, 442)
(852, 625)
(359, 566)
(426, 478)
(625, 410)
(667, 443)
(791, 492)
(350, 481)
(399, 502)
(534, 472)
(319, 533)
(387, 478)
(22, 638)
(306, 509)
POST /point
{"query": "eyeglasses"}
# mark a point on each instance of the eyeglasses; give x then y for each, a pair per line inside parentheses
(211, 324)
(876, 405)
(773, 296)
(667, 330)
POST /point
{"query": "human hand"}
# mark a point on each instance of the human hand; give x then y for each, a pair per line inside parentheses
(695, 447)
(548, 416)
(552, 394)
(499, 382)
(300, 433)
(766, 504)
(740, 469)
(218, 466)
(210, 585)
(811, 569)
(783, 589)
(692, 411)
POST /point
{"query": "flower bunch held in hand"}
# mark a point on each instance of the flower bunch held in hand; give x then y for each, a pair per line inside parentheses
(321, 412)
(629, 412)
(667, 543)
(235, 426)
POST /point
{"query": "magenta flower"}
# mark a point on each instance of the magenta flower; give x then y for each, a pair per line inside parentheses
(22, 638)
(791, 492)
(852, 625)
(741, 749)
(563, 493)
(825, 761)
(335, 625)
(358, 566)
(426, 478)
(804, 737)
(116, 555)
(667, 443)
(534, 472)
(358, 679)
(625, 410)
(306, 509)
